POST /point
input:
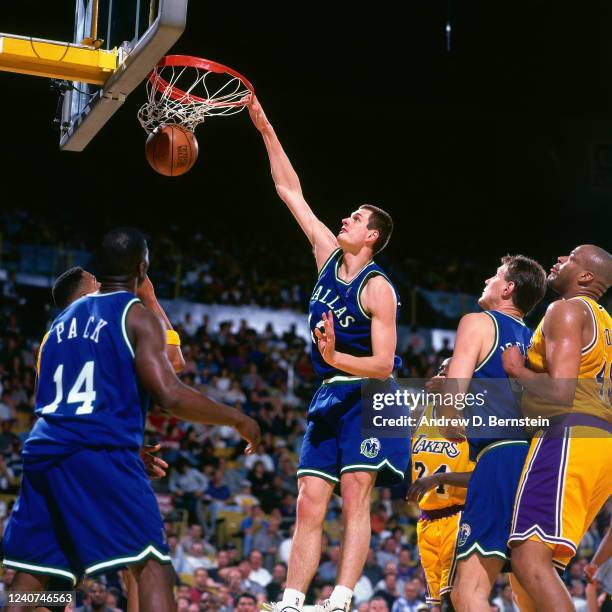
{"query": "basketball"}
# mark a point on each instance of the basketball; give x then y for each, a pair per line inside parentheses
(171, 150)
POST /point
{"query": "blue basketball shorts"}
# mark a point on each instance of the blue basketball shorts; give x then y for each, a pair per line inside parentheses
(84, 513)
(487, 517)
(334, 445)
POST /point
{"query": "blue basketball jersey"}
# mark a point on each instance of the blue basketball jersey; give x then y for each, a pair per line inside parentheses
(88, 395)
(352, 325)
(491, 380)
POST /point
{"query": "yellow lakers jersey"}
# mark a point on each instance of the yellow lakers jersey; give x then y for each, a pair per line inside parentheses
(432, 453)
(594, 389)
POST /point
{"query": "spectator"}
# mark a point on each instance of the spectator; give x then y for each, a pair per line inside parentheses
(363, 590)
(577, 592)
(259, 573)
(389, 589)
(406, 566)
(216, 494)
(8, 575)
(379, 519)
(196, 558)
(201, 584)
(247, 584)
(245, 499)
(328, 569)
(246, 603)
(96, 595)
(188, 485)
(284, 550)
(177, 554)
(372, 569)
(267, 541)
(7, 407)
(260, 479)
(410, 602)
(260, 456)
(389, 552)
(234, 582)
(378, 604)
(113, 599)
(275, 588)
(223, 562)
(446, 351)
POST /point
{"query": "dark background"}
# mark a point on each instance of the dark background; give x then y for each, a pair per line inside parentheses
(503, 144)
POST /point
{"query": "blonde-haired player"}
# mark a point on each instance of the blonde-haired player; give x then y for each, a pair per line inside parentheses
(441, 470)
(567, 476)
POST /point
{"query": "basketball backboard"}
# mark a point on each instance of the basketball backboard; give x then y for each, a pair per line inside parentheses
(143, 31)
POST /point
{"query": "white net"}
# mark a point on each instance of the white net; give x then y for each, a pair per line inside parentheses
(186, 95)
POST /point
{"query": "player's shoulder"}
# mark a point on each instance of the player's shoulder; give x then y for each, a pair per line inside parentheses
(138, 315)
(565, 314)
(475, 320)
(563, 309)
(377, 291)
(378, 282)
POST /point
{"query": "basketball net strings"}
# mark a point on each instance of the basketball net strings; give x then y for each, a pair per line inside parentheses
(161, 108)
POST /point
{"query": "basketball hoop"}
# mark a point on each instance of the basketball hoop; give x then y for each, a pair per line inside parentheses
(184, 90)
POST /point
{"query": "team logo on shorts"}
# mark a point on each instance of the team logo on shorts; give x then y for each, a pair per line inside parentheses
(370, 448)
(464, 534)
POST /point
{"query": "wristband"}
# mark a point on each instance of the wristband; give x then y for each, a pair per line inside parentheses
(172, 338)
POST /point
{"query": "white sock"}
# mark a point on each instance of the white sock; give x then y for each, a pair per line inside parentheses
(293, 598)
(341, 597)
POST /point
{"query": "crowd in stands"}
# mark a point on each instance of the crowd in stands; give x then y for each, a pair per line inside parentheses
(229, 269)
(229, 517)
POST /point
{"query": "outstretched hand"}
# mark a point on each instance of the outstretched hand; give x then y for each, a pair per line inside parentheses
(258, 117)
(326, 339)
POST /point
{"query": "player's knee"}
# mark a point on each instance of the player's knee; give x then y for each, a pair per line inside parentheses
(356, 489)
(309, 507)
(463, 596)
(528, 560)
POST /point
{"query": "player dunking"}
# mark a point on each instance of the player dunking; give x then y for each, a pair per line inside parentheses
(353, 311)
(567, 476)
(85, 504)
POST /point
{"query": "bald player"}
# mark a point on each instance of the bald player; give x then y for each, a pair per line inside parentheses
(567, 477)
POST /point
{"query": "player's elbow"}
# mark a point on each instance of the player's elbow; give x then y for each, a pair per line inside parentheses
(168, 397)
(384, 370)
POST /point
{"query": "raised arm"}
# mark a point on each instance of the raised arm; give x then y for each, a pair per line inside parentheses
(288, 187)
(146, 293)
(158, 378)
